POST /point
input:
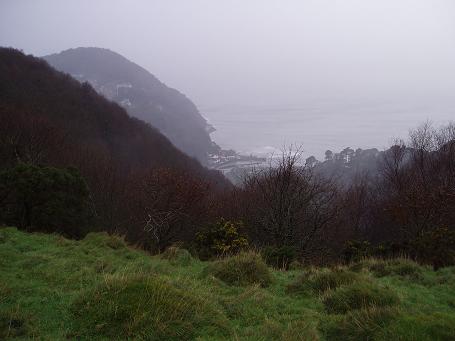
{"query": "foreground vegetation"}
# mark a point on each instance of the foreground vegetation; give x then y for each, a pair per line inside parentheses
(100, 288)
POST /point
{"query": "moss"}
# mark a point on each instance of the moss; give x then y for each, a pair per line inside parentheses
(246, 268)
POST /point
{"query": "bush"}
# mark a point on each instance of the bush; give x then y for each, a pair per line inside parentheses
(44, 199)
(356, 250)
(359, 296)
(362, 324)
(177, 256)
(435, 247)
(279, 257)
(321, 281)
(219, 239)
(246, 268)
(144, 307)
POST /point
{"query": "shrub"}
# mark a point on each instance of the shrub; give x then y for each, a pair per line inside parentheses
(362, 324)
(144, 307)
(321, 281)
(356, 250)
(279, 257)
(243, 269)
(359, 295)
(220, 238)
(44, 199)
(435, 247)
(177, 256)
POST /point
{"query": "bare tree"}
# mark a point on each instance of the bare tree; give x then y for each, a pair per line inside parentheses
(287, 203)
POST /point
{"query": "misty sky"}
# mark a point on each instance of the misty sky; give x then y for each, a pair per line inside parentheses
(268, 53)
(250, 51)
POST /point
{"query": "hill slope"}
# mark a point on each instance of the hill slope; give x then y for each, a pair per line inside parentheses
(99, 288)
(141, 94)
(32, 91)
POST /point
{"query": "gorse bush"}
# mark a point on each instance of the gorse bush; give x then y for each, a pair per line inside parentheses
(358, 296)
(245, 268)
(220, 238)
(44, 199)
(144, 307)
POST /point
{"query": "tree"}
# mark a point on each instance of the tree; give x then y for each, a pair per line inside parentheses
(166, 206)
(287, 204)
(44, 199)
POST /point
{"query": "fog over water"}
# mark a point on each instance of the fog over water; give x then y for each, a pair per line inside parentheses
(325, 73)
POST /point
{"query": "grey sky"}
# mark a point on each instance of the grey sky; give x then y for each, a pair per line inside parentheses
(257, 51)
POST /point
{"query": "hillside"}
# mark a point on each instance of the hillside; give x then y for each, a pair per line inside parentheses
(141, 94)
(99, 288)
(36, 97)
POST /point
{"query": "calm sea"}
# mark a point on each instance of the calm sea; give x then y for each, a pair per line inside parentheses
(318, 126)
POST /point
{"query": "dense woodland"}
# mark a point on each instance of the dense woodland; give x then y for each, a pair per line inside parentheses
(73, 162)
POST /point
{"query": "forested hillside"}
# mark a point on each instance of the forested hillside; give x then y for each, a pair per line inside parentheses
(51, 120)
(141, 94)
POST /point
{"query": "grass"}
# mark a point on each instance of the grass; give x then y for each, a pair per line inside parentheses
(360, 295)
(246, 268)
(99, 288)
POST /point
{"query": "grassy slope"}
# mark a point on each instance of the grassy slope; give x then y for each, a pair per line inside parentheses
(54, 288)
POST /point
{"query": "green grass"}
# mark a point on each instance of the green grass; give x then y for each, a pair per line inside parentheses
(99, 288)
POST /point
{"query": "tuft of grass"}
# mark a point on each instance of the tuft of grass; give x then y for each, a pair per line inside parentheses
(301, 330)
(103, 239)
(420, 326)
(144, 307)
(246, 268)
(358, 296)
(363, 324)
(402, 267)
(321, 281)
(177, 256)
(14, 324)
